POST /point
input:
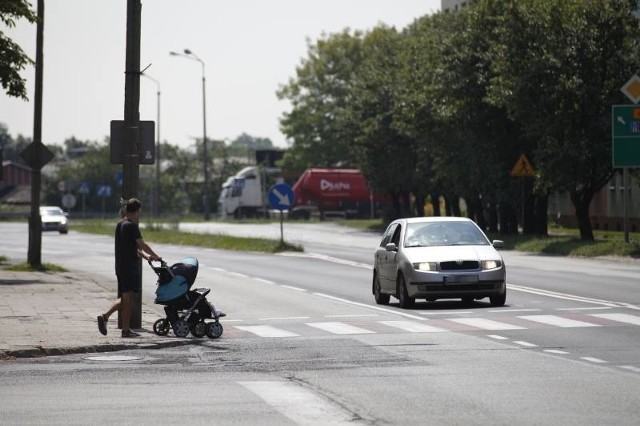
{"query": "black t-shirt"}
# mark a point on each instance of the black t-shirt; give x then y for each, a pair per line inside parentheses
(127, 232)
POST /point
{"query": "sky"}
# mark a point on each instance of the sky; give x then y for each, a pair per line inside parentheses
(250, 48)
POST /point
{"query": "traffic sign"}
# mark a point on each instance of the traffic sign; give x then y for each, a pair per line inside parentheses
(146, 143)
(631, 89)
(103, 191)
(36, 155)
(83, 188)
(625, 129)
(522, 167)
(281, 196)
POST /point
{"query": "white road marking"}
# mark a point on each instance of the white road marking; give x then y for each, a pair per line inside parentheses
(573, 297)
(327, 259)
(266, 331)
(412, 326)
(631, 368)
(523, 343)
(446, 313)
(282, 318)
(339, 328)
(299, 404)
(591, 308)
(497, 337)
(351, 316)
(237, 274)
(626, 318)
(262, 280)
(556, 351)
(293, 288)
(558, 321)
(364, 305)
(486, 324)
(594, 360)
(515, 310)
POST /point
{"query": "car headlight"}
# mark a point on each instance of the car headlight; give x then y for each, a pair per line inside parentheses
(491, 264)
(425, 266)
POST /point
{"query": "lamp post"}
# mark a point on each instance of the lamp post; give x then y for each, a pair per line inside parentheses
(205, 191)
(156, 192)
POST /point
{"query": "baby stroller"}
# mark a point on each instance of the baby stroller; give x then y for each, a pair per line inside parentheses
(186, 309)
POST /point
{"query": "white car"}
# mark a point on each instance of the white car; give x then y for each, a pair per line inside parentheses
(54, 219)
(438, 258)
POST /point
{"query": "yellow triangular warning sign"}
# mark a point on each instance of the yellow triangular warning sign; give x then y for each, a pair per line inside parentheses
(522, 167)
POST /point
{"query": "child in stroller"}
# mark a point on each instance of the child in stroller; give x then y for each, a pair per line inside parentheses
(186, 309)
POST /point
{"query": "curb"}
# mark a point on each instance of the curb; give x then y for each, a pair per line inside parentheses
(37, 352)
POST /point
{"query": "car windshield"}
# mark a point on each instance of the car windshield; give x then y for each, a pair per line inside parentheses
(51, 212)
(424, 234)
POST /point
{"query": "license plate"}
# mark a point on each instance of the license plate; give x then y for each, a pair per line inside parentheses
(460, 279)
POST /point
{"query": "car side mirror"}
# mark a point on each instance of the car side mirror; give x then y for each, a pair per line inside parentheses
(498, 243)
(391, 247)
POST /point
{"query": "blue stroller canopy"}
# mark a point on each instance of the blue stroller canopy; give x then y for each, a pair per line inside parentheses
(184, 275)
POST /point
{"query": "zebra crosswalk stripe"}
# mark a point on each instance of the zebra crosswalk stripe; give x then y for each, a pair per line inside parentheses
(266, 331)
(558, 321)
(339, 328)
(486, 324)
(412, 326)
(626, 318)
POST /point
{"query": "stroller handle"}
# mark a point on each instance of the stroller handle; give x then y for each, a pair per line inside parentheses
(163, 264)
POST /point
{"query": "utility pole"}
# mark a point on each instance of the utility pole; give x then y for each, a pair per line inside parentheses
(131, 162)
(34, 255)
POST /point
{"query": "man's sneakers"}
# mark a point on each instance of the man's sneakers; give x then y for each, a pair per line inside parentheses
(102, 325)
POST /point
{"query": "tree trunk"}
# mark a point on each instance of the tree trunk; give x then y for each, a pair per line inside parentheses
(452, 205)
(406, 204)
(528, 201)
(508, 219)
(420, 205)
(493, 217)
(435, 203)
(541, 217)
(581, 202)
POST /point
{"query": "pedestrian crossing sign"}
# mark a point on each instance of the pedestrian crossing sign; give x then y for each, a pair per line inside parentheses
(522, 167)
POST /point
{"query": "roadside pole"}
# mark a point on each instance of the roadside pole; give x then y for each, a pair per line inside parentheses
(36, 154)
(131, 161)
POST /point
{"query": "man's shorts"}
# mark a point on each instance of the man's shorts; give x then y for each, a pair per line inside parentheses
(129, 282)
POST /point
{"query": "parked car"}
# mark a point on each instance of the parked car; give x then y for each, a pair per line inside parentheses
(438, 258)
(54, 219)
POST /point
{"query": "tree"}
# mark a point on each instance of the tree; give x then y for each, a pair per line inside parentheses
(387, 157)
(12, 58)
(319, 96)
(559, 66)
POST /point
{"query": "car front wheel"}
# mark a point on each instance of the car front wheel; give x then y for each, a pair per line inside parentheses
(381, 298)
(406, 302)
(498, 300)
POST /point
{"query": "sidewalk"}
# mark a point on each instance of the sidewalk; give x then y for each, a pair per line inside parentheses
(55, 313)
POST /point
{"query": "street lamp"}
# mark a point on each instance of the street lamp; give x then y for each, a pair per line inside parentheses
(205, 191)
(156, 192)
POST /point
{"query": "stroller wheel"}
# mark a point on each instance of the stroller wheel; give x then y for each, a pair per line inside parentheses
(214, 330)
(181, 328)
(198, 329)
(161, 327)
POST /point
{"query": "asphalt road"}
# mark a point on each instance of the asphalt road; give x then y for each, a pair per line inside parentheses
(303, 331)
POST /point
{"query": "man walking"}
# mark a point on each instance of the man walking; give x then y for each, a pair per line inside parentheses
(129, 246)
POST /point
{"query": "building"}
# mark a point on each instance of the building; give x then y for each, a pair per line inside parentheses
(452, 4)
(15, 186)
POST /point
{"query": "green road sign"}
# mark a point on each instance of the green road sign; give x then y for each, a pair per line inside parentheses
(625, 129)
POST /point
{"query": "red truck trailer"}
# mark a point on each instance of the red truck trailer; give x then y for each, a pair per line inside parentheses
(334, 193)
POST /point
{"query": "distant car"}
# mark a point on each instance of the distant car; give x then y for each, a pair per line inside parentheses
(438, 258)
(54, 219)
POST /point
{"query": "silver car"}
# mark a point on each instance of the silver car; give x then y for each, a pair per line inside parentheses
(438, 258)
(54, 219)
